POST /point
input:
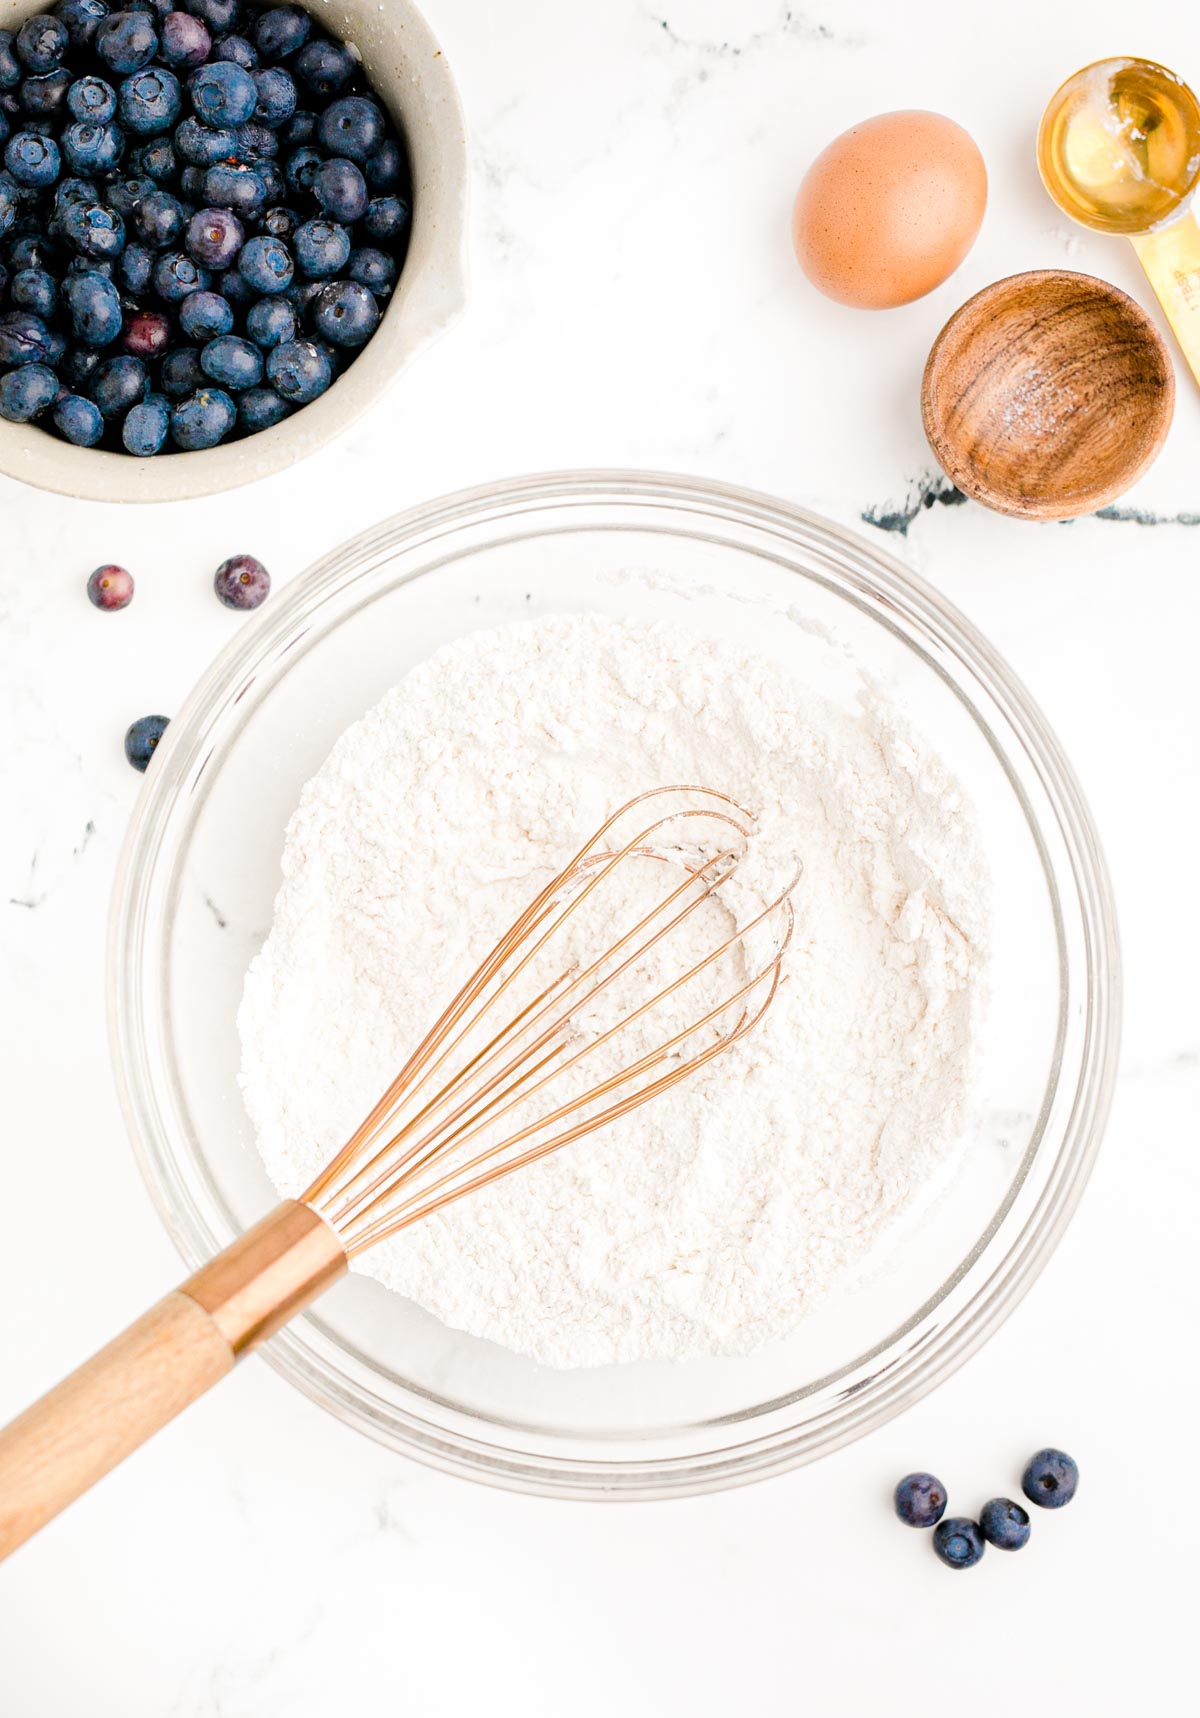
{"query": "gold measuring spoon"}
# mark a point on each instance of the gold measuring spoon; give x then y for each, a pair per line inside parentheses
(1119, 151)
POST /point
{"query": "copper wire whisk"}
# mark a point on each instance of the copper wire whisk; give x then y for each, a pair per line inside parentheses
(547, 1041)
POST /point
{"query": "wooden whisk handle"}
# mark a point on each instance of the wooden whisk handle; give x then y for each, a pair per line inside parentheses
(85, 1426)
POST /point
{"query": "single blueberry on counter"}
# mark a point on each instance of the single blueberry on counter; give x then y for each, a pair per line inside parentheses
(25, 393)
(345, 313)
(78, 421)
(1004, 1524)
(203, 420)
(958, 1542)
(1051, 1479)
(142, 737)
(242, 582)
(110, 588)
(92, 99)
(920, 1500)
(145, 428)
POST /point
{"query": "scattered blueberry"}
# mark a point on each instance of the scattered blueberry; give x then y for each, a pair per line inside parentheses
(1004, 1523)
(958, 1542)
(242, 582)
(1050, 1479)
(110, 588)
(142, 737)
(920, 1500)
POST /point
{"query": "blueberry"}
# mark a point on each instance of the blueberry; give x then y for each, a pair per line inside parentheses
(184, 40)
(387, 217)
(920, 1500)
(373, 269)
(148, 333)
(324, 67)
(127, 193)
(155, 160)
(42, 44)
(232, 363)
(958, 1542)
(191, 183)
(236, 288)
(223, 94)
(44, 97)
(385, 166)
(126, 41)
(273, 183)
(346, 313)
(280, 222)
(91, 148)
(94, 265)
(235, 185)
(202, 420)
(202, 144)
(10, 65)
(237, 50)
(261, 408)
(149, 101)
(26, 392)
(299, 371)
(78, 367)
(351, 126)
(78, 421)
(24, 339)
(341, 190)
(300, 129)
(119, 383)
(110, 588)
(92, 99)
(1004, 1523)
(300, 168)
(256, 142)
(266, 264)
(34, 289)
(215, 237)
(159, 219)
(242, 582)
(145, 428)
(142, 737)
(205, 315)
(134, 269)
(93, 306)
(81, 19)
(28, 249)
(276, 95)
(221, 16)
(96, 231)
(1050, 1479)
(33, 161)
(9, 202)
(322, 248)
(271, 322)
(281, 31)
(180, 373)
(5, 126)
(176, 274)
(302, 295)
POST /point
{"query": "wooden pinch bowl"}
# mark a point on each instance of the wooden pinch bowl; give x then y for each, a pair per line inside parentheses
(1047, 394)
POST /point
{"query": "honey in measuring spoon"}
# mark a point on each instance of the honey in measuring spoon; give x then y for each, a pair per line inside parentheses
(1119, 151)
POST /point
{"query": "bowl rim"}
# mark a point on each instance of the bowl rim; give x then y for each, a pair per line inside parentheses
(964, 475)
(430, 296)
(909, 1369)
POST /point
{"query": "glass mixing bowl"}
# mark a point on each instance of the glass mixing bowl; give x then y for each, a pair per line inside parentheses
(194, 897)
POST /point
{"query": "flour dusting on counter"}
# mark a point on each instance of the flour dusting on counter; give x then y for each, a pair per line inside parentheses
(709, 1221)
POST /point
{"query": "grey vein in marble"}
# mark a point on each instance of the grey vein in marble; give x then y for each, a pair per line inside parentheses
(929, 490)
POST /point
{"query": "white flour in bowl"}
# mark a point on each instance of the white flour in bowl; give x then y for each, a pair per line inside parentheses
(712, 1219)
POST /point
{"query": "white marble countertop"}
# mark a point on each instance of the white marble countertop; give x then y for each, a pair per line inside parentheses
(634, 303)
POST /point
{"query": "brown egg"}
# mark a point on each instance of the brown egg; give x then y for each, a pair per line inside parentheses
(889, 210)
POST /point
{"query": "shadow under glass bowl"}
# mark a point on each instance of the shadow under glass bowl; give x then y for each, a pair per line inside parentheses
(412, 76)
(194, 898)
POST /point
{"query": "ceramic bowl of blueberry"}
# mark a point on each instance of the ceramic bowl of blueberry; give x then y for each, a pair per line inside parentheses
(224, 229)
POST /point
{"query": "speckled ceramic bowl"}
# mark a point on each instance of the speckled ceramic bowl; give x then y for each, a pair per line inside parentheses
(410, 72)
